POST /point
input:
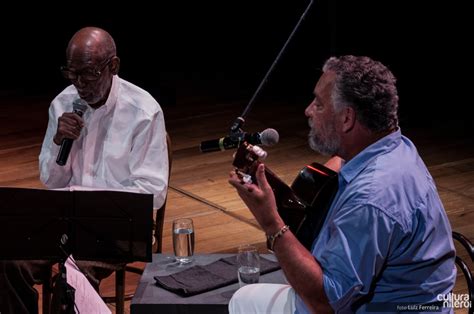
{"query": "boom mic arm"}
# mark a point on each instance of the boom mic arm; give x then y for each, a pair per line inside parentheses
(235, 126)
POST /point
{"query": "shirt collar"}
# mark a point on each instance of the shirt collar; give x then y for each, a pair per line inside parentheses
(384, 145)
(113, 95)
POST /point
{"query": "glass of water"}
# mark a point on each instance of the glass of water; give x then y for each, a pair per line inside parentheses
(248, 263)
(183, 240)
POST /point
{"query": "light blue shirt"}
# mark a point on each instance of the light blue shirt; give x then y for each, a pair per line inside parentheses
(386, 240)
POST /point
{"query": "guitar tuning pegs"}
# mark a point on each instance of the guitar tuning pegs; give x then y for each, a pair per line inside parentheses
(259, 152)
(244, 177)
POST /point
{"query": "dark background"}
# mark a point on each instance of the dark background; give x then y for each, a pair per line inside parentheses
(221, 51)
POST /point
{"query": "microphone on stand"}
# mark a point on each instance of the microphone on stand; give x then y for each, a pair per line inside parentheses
(267, 137)
(79, 106)
(236, 134)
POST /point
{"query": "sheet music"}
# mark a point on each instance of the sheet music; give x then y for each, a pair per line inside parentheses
(87, 300)
(88, 188)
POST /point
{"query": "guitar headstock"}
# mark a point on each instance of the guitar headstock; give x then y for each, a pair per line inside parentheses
(246, 160)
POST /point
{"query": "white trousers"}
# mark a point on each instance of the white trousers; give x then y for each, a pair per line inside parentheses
(263, 298)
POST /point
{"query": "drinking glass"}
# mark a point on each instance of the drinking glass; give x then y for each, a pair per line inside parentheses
(183, 240)
(248, 263)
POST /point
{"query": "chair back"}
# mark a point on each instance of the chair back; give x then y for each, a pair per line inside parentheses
(464, 267)
(160, 213)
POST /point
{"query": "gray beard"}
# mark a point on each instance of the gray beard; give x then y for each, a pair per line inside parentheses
(328, 146)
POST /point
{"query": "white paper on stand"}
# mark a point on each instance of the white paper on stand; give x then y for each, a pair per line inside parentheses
(86, 299)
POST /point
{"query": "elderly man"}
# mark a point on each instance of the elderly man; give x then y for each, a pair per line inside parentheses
(119, 143)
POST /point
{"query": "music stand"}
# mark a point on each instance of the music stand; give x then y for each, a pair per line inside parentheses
(108, 226)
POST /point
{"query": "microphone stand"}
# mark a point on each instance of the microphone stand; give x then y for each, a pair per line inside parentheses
(236, 132)
(65, 291)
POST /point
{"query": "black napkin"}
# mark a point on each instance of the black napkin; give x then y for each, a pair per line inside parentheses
(199, 279)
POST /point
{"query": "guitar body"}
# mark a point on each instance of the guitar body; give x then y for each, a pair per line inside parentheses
(304, 205)
(316, 186)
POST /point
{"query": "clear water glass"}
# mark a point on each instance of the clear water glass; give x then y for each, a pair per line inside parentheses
(183, 240)
(248, 263)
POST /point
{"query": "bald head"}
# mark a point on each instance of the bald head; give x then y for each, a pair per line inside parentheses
(92, 64)
(91, 44)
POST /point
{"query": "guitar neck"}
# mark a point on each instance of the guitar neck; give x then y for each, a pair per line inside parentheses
(275, 182)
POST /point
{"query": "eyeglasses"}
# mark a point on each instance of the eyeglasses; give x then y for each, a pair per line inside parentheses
(87, 74)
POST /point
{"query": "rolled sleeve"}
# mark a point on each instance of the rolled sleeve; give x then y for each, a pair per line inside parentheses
(358, 241)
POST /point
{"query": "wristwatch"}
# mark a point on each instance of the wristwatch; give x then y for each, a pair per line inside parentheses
(272, 238)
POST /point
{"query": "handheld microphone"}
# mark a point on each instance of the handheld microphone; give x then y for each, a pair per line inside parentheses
(267, 137)
(79, 106)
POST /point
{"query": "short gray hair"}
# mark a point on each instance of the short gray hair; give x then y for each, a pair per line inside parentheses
(368, 86)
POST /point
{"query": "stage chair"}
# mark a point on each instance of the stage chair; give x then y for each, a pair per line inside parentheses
(464, 267)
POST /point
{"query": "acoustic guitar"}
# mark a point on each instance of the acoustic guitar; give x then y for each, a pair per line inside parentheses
(303, 206)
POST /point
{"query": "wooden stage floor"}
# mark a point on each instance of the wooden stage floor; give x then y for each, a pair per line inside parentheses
(198, 184)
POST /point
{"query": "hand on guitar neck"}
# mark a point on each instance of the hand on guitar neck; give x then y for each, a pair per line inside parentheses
(303, 206)
(259, 198)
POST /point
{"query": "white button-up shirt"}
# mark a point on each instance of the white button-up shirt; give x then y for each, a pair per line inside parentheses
(122, 145)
